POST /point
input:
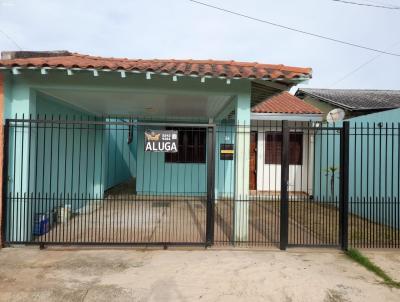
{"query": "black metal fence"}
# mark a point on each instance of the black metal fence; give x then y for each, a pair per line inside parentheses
(90, 181)
(374, 185)
(271, 183)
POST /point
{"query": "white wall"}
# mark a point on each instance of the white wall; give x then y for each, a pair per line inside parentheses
(269, 176)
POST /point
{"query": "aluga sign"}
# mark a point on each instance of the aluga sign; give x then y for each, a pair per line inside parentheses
(161, 141)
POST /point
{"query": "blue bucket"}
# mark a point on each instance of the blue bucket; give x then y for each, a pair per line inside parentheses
(41, 225)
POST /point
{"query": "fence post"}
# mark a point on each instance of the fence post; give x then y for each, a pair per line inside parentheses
(284, 219)
(4, 183)
(344, 186)
(210, 185)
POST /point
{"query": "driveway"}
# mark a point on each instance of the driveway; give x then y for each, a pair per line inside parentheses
(28, 274)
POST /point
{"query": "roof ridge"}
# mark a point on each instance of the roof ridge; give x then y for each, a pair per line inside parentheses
(215, 68)
(221, 62)
(348, 89)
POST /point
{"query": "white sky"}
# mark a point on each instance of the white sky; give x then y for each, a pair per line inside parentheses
(180, 29)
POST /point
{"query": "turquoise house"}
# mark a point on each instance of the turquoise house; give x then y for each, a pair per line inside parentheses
(121, 99)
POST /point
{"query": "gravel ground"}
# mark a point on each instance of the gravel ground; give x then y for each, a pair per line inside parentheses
(28, 274)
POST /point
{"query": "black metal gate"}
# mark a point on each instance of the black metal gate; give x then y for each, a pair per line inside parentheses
(296, 196)
(85, 181)
(312, 198)
(353, 169)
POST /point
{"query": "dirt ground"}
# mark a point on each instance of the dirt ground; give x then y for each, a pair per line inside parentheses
(386, 260)
(29, 274)
(143, 219)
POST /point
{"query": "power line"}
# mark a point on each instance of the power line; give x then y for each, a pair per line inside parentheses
(361, 66)
(11, 39)
(366, 4)
(296, 30)
(382, 2)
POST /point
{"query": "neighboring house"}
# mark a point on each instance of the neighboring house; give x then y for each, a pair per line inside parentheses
(355, 102)
(267, 169)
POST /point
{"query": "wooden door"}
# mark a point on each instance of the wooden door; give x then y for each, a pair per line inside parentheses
(253, 160)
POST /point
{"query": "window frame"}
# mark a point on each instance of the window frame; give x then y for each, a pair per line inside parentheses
(275, 157)
(189, 153)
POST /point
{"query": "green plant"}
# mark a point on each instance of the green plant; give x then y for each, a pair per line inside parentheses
(369, 265)
(331, 171)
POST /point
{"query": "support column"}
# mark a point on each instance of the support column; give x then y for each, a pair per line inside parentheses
(1, 155)
(242, 161)
(21, 152)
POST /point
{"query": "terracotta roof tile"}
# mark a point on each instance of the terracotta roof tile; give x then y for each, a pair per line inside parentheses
(201, 67)
(284, 102)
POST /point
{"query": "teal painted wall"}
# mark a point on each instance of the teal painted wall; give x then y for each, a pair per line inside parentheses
(17, 101)
(7, 96)
(155, 176)
(374, 167)
(69, 154)
(51, 163)
(120, 157)
(225, 169)
(389, 116)
(326, 160)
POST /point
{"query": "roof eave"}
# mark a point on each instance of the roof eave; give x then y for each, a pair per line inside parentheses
(301, 117)
(329, 101)
(287, 81)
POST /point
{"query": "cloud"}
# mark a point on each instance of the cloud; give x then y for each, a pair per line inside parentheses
(180, 29)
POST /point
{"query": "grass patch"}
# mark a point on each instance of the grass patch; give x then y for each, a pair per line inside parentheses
(369, 265)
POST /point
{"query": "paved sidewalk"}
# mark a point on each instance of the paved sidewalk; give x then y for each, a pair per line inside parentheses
(28, 274)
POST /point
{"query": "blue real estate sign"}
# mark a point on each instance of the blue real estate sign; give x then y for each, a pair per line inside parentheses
(161, 141)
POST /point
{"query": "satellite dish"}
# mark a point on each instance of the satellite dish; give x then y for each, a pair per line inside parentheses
(335, 115)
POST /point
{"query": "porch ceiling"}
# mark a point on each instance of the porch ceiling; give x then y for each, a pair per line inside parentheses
(152, 104)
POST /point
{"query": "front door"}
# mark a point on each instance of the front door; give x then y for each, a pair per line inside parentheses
(253, 160)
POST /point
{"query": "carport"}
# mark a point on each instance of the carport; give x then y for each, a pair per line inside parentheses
(78, 172)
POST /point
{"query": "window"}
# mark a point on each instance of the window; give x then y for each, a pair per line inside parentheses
(191, 146)
(273, 148)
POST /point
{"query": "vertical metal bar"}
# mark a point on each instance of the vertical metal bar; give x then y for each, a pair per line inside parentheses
(367, 203)
(94, 217)
(397, 201)
(284, 222)
(64, 201)
(14, 205)
(344, 186)
(51, 200)
(361, 195)
(374, 209)
(4, 219)
(22, 212)
(392, 198)
(210, 186)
